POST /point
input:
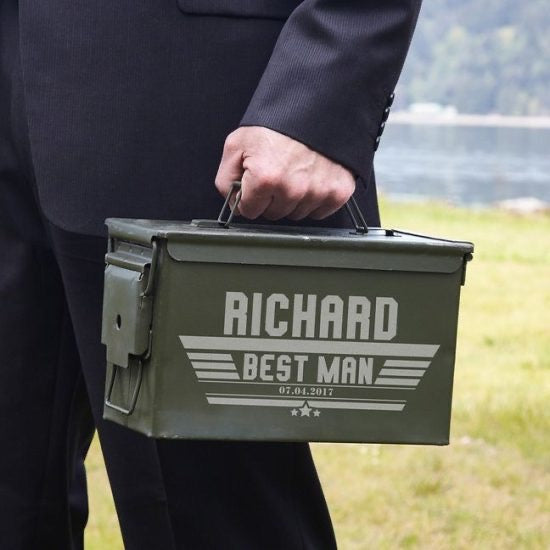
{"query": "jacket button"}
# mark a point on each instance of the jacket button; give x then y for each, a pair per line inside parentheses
(386, 114)
(390, 100)
(376, 142)
(381, 129)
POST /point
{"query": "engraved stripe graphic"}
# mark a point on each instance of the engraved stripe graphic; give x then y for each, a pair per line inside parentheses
(346, 405)
(402, 372)
(218, 366)
(397, 381)
(255, 402)
(356, 405)
(201, 375)
(309, 346)
(210, 356)
(407, 364)
(348, 399)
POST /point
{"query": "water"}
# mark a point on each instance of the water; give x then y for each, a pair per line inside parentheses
(464, 165)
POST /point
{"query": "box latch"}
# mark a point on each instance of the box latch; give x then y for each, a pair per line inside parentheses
(128, 303)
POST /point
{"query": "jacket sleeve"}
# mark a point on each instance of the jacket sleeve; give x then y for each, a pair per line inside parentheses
(331, 75)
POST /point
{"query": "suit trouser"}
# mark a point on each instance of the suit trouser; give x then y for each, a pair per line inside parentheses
(168, 494)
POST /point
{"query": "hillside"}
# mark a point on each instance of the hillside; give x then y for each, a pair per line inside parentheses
(482, 57)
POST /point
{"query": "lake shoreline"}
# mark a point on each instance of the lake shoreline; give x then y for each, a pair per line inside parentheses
(520, 206)
(459, 119)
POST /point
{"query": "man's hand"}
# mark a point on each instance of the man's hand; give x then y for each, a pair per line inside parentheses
(281, 177)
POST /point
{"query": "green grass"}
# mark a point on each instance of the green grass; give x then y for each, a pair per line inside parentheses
(490, 489)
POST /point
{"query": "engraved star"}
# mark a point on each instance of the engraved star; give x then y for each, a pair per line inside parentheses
(305, 410)
(294, 412)
(316, 412)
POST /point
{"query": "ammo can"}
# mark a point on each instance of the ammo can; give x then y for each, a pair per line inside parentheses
(243, 332)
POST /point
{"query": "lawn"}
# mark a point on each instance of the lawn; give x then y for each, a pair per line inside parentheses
(490, 489)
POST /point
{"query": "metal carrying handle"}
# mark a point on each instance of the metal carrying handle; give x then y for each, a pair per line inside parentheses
(352, 208)
(125, 411)
(355, 213)
(226, 204)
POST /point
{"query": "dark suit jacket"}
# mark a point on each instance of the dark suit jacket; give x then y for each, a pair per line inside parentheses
(129, 101)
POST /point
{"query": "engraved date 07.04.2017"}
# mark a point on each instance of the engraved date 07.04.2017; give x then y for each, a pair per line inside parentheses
(307, 391)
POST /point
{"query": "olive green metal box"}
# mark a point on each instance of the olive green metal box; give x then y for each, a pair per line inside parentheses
(282, 334)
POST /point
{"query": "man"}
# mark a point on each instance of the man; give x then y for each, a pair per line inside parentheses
(122, 109)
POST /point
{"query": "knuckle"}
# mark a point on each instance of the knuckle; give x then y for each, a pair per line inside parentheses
(340, 194)
(268, 179)
(350, 184)
(320, 195)
(340, 197)
(231, 143)
(294, 192)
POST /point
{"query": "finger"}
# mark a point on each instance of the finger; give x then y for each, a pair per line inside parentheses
(280, 207)
(300, 212)
(310, 202)
(256, 196)
(231, 166)
(323, 212)
(332, 203)
(286, 198)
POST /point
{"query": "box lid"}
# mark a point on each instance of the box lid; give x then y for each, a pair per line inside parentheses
(379, 249)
